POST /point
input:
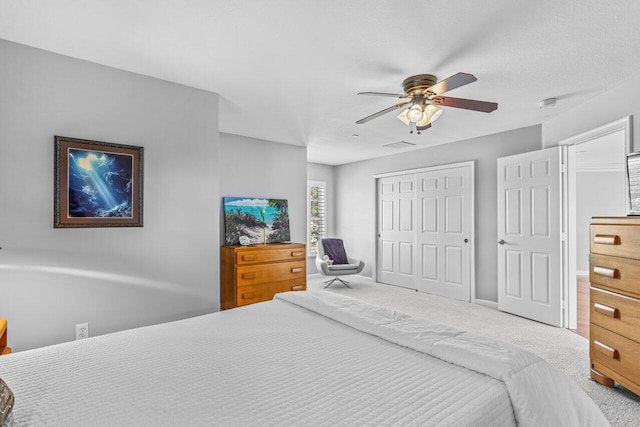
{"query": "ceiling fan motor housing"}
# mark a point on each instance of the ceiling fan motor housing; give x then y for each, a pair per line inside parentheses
(414, 85)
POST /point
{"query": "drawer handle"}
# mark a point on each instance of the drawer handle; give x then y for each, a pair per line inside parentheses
(605, 349)
(605, 271)
(296, 253)
(607, 311)
(248, 257)
(606, 239)
(296, 270)
(249, 295)
(250, 275)
(296, 288)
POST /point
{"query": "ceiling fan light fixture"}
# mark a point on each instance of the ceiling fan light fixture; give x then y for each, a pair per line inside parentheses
(415, 114)
(432, 112)
(403, 117)
(424, 122)
(428, 114)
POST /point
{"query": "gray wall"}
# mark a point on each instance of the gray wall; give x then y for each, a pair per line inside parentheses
(355, 196)
(326, 173)
(118, 278)
(607, 107)
(258, 168)
(598, 193)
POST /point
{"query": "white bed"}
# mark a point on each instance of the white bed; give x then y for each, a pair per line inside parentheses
(305, 358)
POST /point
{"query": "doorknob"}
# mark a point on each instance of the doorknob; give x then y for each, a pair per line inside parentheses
(502, 242)
(466, 240)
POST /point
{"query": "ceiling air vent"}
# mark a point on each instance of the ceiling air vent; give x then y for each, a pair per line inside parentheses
(399, 144)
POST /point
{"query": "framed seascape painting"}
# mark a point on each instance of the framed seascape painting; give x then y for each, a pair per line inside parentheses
(256, 220)
(97, 184)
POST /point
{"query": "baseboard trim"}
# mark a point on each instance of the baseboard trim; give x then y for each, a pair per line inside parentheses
(486, 303)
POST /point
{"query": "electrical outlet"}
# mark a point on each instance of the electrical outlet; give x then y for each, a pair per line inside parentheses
(82, 331)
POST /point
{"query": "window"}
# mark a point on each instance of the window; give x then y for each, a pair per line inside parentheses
(316, 198)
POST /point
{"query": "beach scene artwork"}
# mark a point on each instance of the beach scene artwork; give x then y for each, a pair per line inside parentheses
(261, 220)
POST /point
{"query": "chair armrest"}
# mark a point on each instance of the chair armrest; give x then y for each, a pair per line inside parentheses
(322, 266)
(356, 261)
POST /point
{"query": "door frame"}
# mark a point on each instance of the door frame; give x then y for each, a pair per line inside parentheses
(472, 221)
(569, 224)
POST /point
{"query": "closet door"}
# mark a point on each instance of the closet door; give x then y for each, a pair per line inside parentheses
(444, 231)
(396, 230)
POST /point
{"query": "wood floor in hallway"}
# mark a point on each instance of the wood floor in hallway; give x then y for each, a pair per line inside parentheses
(583, 307)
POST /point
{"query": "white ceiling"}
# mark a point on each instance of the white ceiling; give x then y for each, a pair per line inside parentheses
(289, 70)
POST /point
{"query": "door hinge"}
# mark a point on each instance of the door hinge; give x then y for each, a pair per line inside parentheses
(564, 236)
(564, 304)
(563, 168)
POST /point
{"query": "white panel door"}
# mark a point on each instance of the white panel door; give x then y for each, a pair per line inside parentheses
(396, 230)
(444, 232)
(530, 235)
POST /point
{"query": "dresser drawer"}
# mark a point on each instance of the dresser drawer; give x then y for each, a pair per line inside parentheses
(616, 313)
(259, 256)
(264, 292)
(615, 352)
(264, 273)
(613, 273)
(616, 240)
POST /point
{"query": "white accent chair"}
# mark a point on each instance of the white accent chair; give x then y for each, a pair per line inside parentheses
(354, 266)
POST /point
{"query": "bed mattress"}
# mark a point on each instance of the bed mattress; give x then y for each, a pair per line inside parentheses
(315, 358)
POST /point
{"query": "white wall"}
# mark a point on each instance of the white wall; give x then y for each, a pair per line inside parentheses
(355, 196)
(114, 278)
(326, 173)
(252, 167)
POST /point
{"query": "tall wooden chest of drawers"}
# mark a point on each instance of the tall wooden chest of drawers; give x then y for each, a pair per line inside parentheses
(250, 274)
(614, 273)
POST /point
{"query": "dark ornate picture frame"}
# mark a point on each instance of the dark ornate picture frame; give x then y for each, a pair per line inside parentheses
(97, 184)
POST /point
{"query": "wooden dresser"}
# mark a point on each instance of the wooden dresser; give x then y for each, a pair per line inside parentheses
(4, 348)
(614, 273)
(250, 274)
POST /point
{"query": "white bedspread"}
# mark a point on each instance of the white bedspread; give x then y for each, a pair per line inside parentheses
(541, 395)
(285, 362)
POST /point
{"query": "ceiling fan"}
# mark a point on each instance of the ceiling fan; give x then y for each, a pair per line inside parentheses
(423, 93)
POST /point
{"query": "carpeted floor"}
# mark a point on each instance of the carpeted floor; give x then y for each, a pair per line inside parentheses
(562, 348)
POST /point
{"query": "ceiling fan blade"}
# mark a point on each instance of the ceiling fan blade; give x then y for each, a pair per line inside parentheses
(393, 95)
(467, 104)
(450, 83)
(380, 113)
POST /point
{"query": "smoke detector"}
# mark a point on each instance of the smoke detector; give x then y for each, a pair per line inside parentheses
(549, 102)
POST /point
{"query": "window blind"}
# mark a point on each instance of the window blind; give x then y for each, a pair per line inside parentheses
(317, 214)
